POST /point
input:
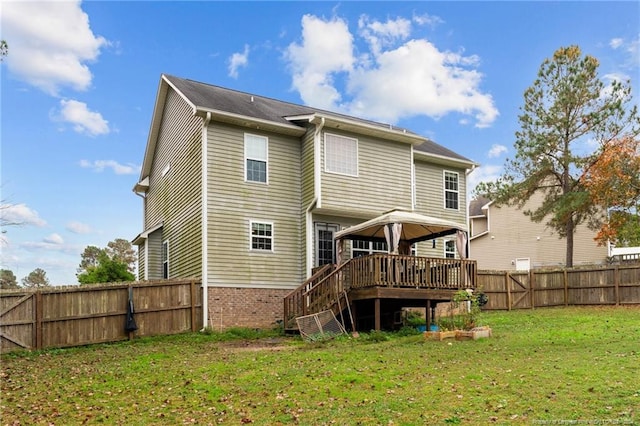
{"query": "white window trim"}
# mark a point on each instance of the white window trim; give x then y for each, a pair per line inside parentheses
(370, 250)
(266, 160)
(165, 243)
(445, 190)
(263, 222)
(445, 251)
(326, 169)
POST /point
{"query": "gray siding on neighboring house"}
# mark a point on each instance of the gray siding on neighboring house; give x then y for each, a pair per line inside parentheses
(383, 181)
(175, 194)
(516, 236)
(233, 203)
(478, 225)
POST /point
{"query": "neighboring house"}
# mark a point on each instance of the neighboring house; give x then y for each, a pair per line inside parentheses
(247, 192)
(504, 238)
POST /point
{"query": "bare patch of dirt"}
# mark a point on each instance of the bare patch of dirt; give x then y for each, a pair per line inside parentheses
(273, 344)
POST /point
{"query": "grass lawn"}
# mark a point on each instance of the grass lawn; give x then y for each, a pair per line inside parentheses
(546, 366)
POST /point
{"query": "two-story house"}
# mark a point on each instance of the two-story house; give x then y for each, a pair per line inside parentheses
(247, 192)
(504, 238)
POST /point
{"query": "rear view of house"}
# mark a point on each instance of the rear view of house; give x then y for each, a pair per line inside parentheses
(247, 193)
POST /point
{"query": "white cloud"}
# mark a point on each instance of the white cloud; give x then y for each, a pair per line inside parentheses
(20, 214)
(630, 48)
(383, 34)
(418, 79)
(46, 245)
(616, 43)
(326, 49)
(426, 19)
(238, 60)
(496, 150)
(51, 43)
(78, 227)
(398, 77)
(83, 120)
(54, 239)
(119, 169)
(486, 173)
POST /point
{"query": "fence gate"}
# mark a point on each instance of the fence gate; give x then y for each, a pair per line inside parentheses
(18, 322)
(518, 290)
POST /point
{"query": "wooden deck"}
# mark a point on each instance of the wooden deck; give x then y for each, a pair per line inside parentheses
(377, 285)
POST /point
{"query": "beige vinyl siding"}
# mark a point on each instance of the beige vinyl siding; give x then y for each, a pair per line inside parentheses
(478, 225)
(383, 181)
(430, 192)
(516, 236)
(175, 198)
(234, 203)
(141, 261)
(154, 255)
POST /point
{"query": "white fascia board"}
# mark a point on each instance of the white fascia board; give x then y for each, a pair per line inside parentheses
(251, 122)
(156, 121)
(467, 164)
(141, 186)
(144, 235)
(389, 133)
(482, 234)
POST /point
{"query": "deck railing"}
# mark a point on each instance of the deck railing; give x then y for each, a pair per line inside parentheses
(327, 287)
(389, 270)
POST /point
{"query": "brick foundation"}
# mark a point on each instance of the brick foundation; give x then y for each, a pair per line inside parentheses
(245, 307)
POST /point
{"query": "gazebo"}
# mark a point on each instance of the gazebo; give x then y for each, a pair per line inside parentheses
(377, 286)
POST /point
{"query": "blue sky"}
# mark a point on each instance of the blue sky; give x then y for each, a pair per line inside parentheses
(80, 81)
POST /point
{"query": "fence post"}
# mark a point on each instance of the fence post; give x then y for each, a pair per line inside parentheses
(616, 283)
(565, 277)
(507, 283)
(193, 306)
(531, 281)
(39, 311)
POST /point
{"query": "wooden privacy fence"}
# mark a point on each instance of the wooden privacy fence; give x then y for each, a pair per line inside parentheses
(81, 315)
(612, 285)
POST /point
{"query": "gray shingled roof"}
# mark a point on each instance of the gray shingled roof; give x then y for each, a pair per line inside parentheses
(475, 206)
(213, 97)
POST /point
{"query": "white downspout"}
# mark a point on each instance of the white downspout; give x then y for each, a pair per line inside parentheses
(413, 181)
(317, 180)
(205, 222)
(146, 240)
(316, 203)
(466, 183)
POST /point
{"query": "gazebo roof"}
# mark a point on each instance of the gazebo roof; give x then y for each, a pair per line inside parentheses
(415, 227)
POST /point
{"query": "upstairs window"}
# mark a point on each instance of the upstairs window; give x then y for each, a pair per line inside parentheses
(340, 155)
(261, 236)
(451, 190)
(256, 157)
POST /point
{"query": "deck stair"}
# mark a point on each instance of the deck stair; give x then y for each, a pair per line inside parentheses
(324, 290)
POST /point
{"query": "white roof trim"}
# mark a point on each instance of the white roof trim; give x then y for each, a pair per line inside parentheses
(144, 235)
(444, 158)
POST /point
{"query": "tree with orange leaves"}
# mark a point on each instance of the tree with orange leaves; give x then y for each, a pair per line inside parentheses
(613, 182)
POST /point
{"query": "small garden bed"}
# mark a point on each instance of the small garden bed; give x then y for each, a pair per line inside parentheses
(462, 321)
